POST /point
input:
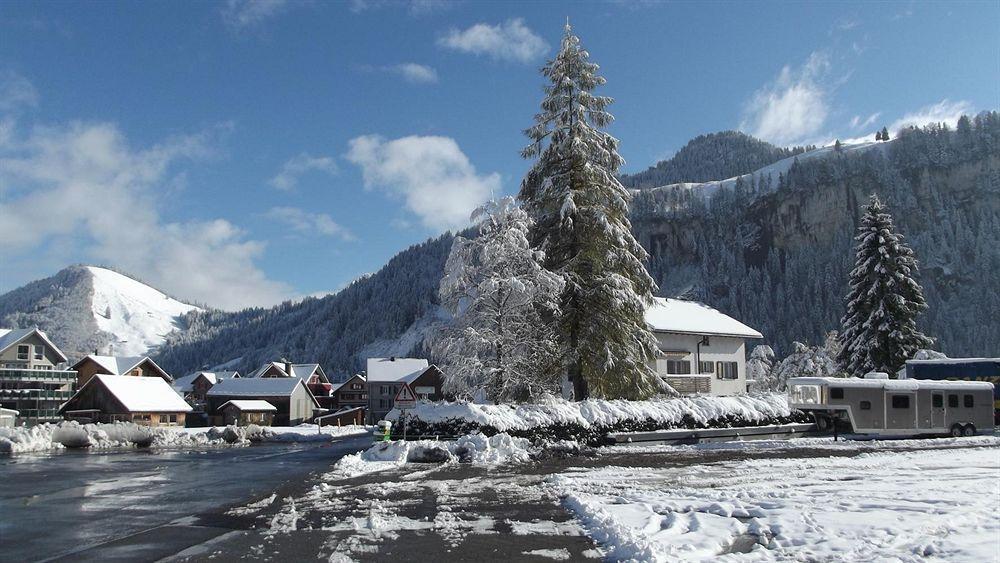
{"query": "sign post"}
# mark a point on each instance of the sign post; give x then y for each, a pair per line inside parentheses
(405, 399)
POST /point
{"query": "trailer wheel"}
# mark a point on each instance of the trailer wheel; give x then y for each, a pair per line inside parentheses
(823, 422)
(956, 430)
(969, 430)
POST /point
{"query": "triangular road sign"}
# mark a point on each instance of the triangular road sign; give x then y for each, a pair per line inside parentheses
(405, 398)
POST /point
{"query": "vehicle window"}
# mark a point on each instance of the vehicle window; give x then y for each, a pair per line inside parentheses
(968, 401)
(953, 401)
(836, 393)
(900, 401)
(866, 405)
(937, 401)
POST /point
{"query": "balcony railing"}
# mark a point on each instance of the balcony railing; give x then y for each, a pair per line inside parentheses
(55, 376)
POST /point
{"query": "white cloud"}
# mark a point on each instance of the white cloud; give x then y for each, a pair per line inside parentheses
(794, 106)
(306, 223)
(81, 190)
(415, 7)
(300, 164)
(431, 174)
(415, 73)
(16, 91)
(858, 123)
(244, 14)
(944, 111)
(509, 41)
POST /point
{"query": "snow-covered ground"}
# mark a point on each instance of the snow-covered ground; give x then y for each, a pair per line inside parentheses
(138, 315)
(602, 413)
(49, 437)
(879, 505)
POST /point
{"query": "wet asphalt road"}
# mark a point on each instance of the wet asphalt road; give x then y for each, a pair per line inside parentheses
(139, 505)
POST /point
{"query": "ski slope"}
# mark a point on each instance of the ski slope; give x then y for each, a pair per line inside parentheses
(138, 316)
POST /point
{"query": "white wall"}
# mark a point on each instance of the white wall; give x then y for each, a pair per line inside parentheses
(720, 349)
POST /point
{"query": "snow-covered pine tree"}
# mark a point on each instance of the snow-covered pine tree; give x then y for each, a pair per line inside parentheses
(885, 133)
(580, 210)
(880, 331)
(497, 292)
(759, 366)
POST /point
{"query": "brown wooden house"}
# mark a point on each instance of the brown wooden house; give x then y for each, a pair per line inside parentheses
(120, 398)
(248, 411)
(140, 366)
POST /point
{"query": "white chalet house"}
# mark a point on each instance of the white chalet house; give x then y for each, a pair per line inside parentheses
(701, 349)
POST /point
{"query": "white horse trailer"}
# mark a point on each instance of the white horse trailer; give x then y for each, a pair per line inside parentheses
(882, 407)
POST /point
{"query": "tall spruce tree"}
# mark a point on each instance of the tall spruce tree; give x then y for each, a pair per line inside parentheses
(581, 219)
(880, 331)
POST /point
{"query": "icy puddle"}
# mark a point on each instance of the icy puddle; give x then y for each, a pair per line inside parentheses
(900, 506)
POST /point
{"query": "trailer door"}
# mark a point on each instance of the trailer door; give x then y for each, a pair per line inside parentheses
(901, 410)
(937, 409)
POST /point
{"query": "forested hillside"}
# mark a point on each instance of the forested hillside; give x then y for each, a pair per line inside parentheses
(715, 156)
(775, 252)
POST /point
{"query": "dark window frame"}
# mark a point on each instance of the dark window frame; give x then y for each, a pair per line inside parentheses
(952, 401)
(901, 402)
(866, 405)
(836, 392)
(937, 400)
(968, 402)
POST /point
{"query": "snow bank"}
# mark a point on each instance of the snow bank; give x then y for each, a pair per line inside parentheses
(71, 434)
(598, 415)
(472, 448)
(898, 506)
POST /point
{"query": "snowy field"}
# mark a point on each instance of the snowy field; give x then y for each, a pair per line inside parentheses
(939, 502)
(51, 437)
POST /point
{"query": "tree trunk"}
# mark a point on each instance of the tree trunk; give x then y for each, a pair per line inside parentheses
(580, 391)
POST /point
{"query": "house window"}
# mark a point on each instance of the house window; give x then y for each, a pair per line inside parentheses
(356, 386)
(164, 419)
(173, 419)
(726, 370)
(706, 341)
(364, 396)
(967, 399)
(866, 405)
(706, 367)
(900, 401)
(39, 352)
(23, 350)
(953, 401)
(937, 401)
(384, 389)
(678, 366)
(836, 393)
(383, 403)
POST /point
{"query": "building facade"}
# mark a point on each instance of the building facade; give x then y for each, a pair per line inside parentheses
(386, 376)
(134, 366)
(293, 401)
(701, 350)
(34, 377)
(148, 401)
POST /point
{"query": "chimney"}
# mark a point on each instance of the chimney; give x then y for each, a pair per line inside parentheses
(288, 367)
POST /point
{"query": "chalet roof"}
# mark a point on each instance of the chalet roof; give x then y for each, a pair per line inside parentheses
(10, 337)
(250, 405)
(120, 365)
(186, 383)
(394, 370)
(337, 386)
(255, 387)
(300, 371)
(139, 394)
(690, 317)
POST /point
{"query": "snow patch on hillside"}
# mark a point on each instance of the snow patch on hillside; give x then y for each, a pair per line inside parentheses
(137, 315)
(422, 330)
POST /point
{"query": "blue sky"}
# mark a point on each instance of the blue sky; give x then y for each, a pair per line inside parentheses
(244, 152)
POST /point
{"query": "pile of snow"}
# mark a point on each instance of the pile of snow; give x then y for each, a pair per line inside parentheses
(471, 448)
(71, 434)
(603, 413)
(871, 507)
(137, 315)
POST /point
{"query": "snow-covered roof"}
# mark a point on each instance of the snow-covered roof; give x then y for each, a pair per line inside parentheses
(337, 386)
(120, 365)
(893, 384)
(141, 394)
(256, 387)
(395, 369)
(10, 337)
(300, 371)
(953, 361)
(250, 405)
(185, 384)
(691, 317)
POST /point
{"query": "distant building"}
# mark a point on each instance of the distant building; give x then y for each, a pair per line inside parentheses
(701, 349)
(34, 379)
(311, 374)
(242, 412)
(149, 401)
(351, 393)
(193, 387)
(387, 375)
(137, 366)
(294, 401)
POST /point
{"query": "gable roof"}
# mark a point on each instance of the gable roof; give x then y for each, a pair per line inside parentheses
(138, 394)
(250, 405)
(691, 317)
(255, 387)
(337, 386)
(395, 369)
(10, 337)
(299, 371)
(264, 368)
(186, 383)
(121, 365)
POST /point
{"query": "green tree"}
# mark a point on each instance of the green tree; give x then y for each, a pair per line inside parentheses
(580, 210)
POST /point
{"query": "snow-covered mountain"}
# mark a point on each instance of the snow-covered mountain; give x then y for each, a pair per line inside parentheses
(87, 308)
